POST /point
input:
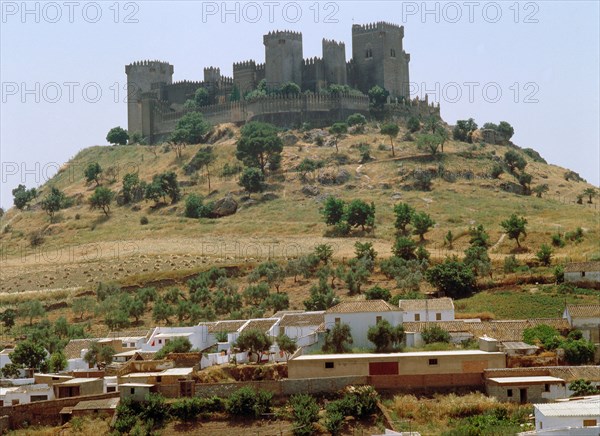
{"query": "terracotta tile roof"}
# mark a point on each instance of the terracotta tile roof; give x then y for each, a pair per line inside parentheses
(430, 304)
(503, 331)
(281, 313)
(264, 325)
(362, 306)
(567, 373)
(584, 310)
(73, 348)
(302, 319)
(582, 266)
(225, 326)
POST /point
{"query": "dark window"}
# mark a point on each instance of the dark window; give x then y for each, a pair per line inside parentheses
(393, 53)
(132, 391)
(35, 398)
(377, 319)
(509, 393)
(369, 53)
(438, 316)
(158, 379)
(338, 320)
(329, 365)
(417, 317)
(433, 361)
(282, 41)
(582, 273)
(546, 387)
(111, 389)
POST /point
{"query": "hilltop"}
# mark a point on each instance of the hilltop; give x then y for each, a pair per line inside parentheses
(83, 247)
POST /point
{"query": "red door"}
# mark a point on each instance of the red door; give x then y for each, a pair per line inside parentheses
(383, 368)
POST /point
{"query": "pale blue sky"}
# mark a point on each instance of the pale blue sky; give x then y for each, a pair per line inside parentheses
(543, 52)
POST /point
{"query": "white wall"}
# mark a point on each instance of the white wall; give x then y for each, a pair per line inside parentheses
(428, 315)
(555, 422)
(590, 276)
(360, 322)
(199, 337)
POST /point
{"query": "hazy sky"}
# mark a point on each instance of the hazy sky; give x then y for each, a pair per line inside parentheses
(533, 64)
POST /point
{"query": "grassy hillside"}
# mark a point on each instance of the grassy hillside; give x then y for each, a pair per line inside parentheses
(84, 247)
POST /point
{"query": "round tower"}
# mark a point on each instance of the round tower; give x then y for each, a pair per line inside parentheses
(143, 76)
(283, 58)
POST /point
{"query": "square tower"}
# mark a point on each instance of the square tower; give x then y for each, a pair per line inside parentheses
(283, 58)
(379, 58)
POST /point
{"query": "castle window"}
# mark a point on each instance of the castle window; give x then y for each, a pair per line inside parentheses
(393, 53)
(369, 53)
(282, 41)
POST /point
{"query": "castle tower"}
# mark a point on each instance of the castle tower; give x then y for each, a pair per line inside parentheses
(379, 59)
(283, 58)
(212, 75)
(143, 76)
(244, 76)
(334, 62)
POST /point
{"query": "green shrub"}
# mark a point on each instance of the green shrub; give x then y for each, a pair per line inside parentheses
(248, 402)
(144, 220)
(511, 264)
(435, 334)
(557, 240)
(305, 412)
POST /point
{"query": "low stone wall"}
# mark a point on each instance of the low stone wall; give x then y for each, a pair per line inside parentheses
(282, 388)
(428, 384)
(44, 412)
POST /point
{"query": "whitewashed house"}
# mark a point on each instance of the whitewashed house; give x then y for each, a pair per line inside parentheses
(564, 416)
(160, 336)
(585, 317)
(582, 272)
(25, 394)
(360, 315)
(436, 309)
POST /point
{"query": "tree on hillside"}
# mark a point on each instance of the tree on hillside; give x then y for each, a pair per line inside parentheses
(321, 297)
(413, 124)
(162, 186)
(454, 278)
(117, 136)
(515, 227)
(271, 271)
(99, 355)
(525, 181)
(82, 305)
(53, 202)
(201, 97)
(506, 130)
(404, 248)
(430, 143)
(358, 121)
(479, 237)
(359, 213)
(101, 199)
(333, 210)
(463, 131)
(478, 259)
(57, 362)
(378, 293)
(392, 131)
(435, 334)
(256, 294)
(258, 144)
(254, 341)
(287, 345)
(590, 193)
(203, 158)
(23, 196)
(544, 255)
(385, 337)
(28, 354)
(8, 318)
(404, 213)
(337, 130)
(252, 179)
(421, 222)
(190, 129)
(92, 173)
(32, 309)
(338, 339)
(540, 189)
(378, 97)
(514, 161)
(582, 387)
(133, 188)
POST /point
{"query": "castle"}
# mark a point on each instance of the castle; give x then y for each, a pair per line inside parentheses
(378, 58)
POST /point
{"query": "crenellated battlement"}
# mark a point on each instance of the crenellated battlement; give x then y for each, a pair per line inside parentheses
(282, 34)
(333, 43)
(244, 65)
(377, 27)
(157, 100)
